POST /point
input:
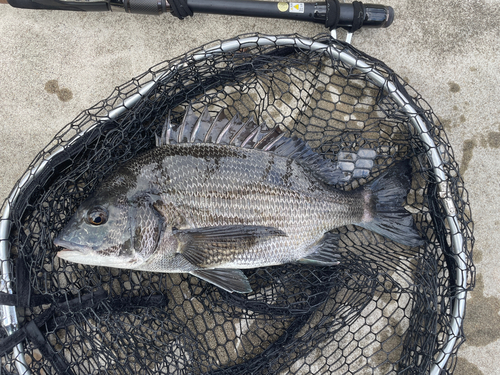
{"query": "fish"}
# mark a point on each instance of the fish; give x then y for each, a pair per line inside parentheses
(219, 194)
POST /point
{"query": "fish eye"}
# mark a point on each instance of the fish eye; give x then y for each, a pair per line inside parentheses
(97, 216)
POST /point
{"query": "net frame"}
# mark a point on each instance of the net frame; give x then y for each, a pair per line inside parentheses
(337, 51)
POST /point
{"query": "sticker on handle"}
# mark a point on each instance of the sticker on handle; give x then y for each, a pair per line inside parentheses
(282, 6)
(296, 7)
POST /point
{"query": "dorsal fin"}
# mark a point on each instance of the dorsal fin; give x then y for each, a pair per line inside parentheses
(248, 134)
(201, 127)
(187, 125)
(166, 132)
(229, 131)
(245, 133)
(216, 127)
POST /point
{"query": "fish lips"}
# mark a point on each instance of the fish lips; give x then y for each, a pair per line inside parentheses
(70, 247)
(82, 254)
(76, 253)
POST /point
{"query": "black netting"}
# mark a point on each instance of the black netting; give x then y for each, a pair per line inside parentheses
(385, 309)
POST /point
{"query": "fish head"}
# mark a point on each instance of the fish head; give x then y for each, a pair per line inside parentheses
(112, 232)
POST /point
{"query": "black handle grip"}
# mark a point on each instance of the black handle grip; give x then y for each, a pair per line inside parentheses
(79, 6)
(330, 13)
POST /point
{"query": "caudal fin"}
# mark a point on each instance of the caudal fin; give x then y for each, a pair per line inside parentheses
(384, 212)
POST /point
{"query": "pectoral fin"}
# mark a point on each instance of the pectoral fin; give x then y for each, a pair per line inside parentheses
(228, 232)
(214, 246)
(227, 279)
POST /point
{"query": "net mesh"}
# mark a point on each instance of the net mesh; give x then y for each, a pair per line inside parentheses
(385, 308)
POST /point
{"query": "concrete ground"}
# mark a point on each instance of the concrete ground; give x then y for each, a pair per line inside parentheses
(55, 64)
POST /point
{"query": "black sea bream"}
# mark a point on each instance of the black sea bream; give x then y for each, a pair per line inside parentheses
(218, 195)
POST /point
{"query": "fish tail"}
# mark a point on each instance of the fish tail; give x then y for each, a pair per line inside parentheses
(384, 212)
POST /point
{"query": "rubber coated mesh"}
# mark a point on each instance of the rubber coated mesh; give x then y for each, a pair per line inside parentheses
(385, 309)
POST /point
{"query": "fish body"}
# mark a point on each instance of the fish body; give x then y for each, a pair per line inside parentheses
(217, 196)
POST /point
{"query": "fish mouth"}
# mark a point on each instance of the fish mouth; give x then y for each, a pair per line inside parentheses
(70, 247)
(86, 255)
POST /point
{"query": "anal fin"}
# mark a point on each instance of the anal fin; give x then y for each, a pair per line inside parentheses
(325, 251)
(228, 279)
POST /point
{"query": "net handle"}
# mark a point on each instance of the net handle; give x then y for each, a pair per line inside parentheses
(9, 316)
(330, 13)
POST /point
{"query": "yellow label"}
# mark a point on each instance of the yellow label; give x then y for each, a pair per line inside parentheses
(296, 7)
(282, 7)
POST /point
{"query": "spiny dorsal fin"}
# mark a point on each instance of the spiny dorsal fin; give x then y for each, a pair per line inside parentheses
(187, 125)
(249, 134)
(166, 133)
(229, 131)
(245, 133)
(218, 130)
(201, 127)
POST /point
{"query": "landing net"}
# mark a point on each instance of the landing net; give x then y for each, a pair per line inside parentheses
(385, 308)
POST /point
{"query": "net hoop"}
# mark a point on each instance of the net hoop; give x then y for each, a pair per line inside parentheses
(335, 51)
